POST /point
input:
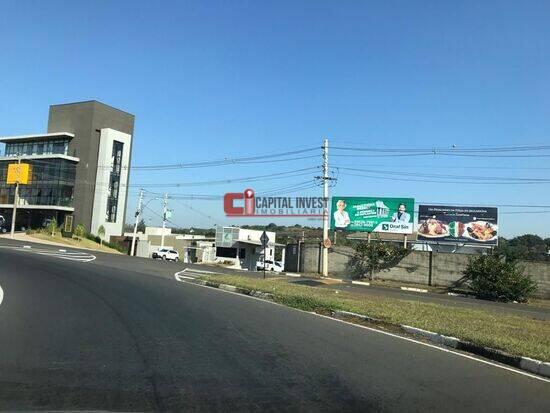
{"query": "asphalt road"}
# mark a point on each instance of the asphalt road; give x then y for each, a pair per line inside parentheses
(116, 333)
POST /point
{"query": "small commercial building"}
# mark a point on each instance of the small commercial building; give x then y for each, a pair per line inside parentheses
(79, 169)
(191, 248)
(242, 248)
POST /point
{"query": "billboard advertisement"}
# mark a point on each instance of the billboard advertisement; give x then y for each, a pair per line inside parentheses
(393, 215)
(462, 224)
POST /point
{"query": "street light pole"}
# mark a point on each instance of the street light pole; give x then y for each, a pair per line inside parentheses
(164, 210)
(325, 209)
(138, 214)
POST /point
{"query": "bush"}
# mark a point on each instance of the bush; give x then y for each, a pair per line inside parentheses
(375, 257)
(52, 226)
(79, 231)
(93, 237)
(113, 245)
(493, 278)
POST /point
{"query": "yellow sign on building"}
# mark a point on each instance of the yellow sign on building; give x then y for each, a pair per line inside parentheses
(18, 173)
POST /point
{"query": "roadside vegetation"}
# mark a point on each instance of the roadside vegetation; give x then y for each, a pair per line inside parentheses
(80, 238)
(371, 258)
(520, 336)
(494, 278)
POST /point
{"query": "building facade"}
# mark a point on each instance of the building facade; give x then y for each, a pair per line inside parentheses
(79, 168)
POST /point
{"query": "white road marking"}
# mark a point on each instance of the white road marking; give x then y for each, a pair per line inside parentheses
(360, 282)
(411, 340)
(417, 290)
(1, 295)
(79, 256)
(292, 274)
(27, 246)
(199, 271)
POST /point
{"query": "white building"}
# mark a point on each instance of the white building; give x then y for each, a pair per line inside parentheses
(243, 248)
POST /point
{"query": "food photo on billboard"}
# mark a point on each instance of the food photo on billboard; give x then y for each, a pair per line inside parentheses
(465, 224)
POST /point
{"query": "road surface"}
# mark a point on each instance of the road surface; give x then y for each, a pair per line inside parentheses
(115, 333)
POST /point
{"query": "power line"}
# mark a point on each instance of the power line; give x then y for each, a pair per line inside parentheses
(446, 150)
(410, 179)
(267, 158)
(279, 175)
(439, 176)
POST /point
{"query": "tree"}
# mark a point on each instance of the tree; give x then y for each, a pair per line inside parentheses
(79, 231)
(141, 225)
(101, 233)
(370, 258)
(52, 226)
(494, 278)
(524, 247)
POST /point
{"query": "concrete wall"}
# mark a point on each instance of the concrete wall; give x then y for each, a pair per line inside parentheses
(446, 269)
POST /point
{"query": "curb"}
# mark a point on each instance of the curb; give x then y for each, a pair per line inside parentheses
(233, 289)
(522, 363)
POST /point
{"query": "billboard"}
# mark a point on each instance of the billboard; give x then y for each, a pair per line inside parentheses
(393, 215)
(458, 224)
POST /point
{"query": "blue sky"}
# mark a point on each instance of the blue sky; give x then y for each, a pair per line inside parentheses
(211, 80)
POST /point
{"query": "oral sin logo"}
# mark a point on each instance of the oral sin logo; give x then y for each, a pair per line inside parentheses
(249, 203)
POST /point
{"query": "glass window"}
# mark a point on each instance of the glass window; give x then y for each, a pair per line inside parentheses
(114, 181)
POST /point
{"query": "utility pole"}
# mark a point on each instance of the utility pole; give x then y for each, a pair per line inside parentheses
(15, 202)
(325, 209)
(164, 211)
(138, 214)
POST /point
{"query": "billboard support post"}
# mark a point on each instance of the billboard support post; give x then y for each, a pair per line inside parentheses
(405, 241)
(368, 237)
(430, 267)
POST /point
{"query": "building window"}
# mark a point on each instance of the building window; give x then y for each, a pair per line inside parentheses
(114, 181)
(48, 147)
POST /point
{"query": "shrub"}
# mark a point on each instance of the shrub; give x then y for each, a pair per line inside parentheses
(79, 231)
(52, 226)
(101, 233)
(375, 257)
(493, 278)
(93, 237)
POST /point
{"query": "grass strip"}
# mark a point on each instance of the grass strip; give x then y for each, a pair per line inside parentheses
(520, 336)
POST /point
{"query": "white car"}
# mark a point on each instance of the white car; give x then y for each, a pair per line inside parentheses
(167, 254)
(269, 266)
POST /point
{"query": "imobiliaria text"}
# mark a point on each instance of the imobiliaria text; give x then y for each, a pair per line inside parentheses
(247, 204)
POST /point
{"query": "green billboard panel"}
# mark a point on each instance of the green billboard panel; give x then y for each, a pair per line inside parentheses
(393, 215)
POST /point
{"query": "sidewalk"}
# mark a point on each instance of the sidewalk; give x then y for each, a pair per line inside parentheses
(22, 237)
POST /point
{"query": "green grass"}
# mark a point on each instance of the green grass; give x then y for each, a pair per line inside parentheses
(73, 242)
(516, 335)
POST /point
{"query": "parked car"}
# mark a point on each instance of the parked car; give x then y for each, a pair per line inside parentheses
(166, 254)
(269, 266)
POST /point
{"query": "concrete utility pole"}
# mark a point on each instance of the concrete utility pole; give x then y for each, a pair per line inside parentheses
(164, 211)
(138, 214)
(325, 209)
(15, 202)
